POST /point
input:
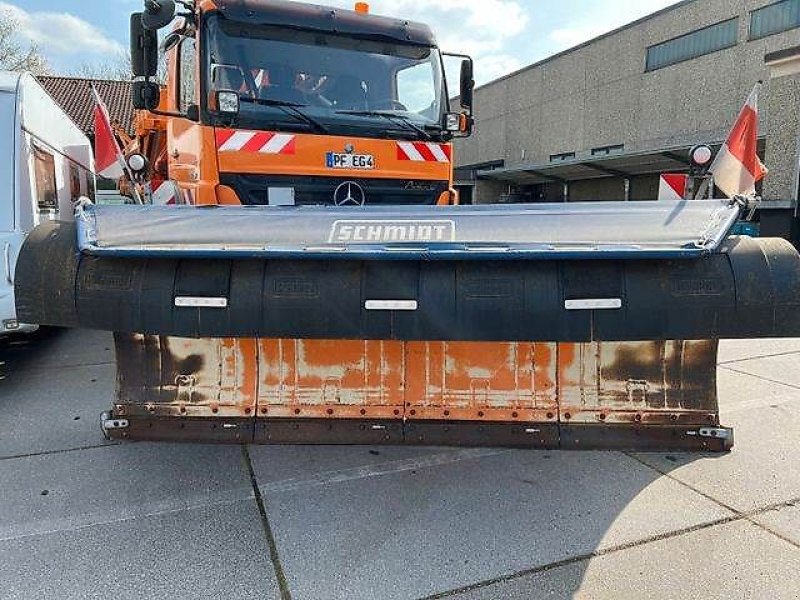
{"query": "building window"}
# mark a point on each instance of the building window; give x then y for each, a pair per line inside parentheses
(774, 18)
(45, 175)
(562, 157)
(692, 45)
(606, 150)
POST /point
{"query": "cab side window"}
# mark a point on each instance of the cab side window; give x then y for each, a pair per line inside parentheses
(416, 89)
(45, 175)
(186, 73)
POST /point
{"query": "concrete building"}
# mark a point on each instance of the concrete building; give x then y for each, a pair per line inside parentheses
(601, 121)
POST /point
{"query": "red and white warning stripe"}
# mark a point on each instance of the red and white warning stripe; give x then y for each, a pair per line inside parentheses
(167, 193)
(673, 186)
(423, 152)
(263, 142)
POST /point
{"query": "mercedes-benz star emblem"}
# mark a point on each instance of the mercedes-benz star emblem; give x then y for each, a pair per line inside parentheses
(349, 194)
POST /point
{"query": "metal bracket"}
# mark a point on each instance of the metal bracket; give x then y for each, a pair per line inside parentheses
(108, 422)
(748, 205)
(718, 433)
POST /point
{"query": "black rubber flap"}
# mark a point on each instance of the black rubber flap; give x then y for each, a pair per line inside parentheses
(751, 289)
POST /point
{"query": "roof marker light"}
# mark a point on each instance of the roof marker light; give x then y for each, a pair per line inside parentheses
(362, 8)
(701, 155)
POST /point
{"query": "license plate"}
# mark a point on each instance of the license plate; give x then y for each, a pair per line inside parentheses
(350, 161)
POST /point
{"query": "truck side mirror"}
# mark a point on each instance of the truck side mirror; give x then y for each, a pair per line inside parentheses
(467, 83)
(144, 48)
(145, 95)
(158, 13)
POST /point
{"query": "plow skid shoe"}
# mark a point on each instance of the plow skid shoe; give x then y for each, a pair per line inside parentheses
(632, 396)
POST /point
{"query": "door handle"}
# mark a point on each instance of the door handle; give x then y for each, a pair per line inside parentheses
(7, 262)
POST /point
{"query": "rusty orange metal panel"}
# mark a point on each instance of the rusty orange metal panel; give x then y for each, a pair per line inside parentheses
(481, 381)
(166, 376)
(638, 382)
(330, 379)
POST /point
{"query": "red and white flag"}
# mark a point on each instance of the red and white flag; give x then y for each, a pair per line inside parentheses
(108, 158)
(737, 168)
(673, 186)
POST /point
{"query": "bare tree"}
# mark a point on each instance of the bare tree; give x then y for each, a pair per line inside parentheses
(15, 56)
(114, 68)
(119, 68)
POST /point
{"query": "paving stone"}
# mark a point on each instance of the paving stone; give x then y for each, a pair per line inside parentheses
(395, 531)
(57, 348)
(736, 560)
(784, 520)
(762, 469)
(737, 350)
(743, 392)
(209, 553)
(782, 369)
(70, 490)
(284, 465)
(51, 410)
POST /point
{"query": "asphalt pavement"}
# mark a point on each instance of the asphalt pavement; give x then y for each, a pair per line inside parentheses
(84, 518)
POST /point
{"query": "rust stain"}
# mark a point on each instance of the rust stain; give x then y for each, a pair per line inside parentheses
(183, 377)
(642, 382)
(671, 382)
(327, 379)
(480, 381)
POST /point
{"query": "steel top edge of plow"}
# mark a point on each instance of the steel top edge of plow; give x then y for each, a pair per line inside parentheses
(581, 231)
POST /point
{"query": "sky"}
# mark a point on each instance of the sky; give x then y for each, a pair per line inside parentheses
(502, 35)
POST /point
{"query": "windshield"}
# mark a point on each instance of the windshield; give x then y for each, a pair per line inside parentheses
(288, 78)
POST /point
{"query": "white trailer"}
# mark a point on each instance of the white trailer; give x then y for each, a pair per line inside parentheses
(46, 163)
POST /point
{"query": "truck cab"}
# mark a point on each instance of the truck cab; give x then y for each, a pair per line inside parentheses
(291, 104)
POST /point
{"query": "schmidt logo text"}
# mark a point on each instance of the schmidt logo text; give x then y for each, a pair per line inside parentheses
(366, 232)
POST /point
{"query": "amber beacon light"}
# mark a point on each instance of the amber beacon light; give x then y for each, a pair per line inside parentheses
(362, 8)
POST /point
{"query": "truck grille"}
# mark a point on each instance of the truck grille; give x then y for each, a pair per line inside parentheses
(253, 190)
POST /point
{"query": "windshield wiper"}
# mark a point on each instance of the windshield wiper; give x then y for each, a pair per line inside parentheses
(290, 108)
(394, 117)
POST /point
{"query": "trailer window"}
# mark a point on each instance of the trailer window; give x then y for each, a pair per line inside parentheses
(45, 173)
(90, 185)
(74, 182)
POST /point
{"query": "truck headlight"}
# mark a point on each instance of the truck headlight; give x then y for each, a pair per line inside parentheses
(453, 122)
(228, 102)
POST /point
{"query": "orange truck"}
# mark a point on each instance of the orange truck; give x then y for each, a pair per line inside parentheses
(301, 272)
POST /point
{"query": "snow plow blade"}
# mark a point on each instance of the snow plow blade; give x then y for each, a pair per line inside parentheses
(658, 396)
(468, 326)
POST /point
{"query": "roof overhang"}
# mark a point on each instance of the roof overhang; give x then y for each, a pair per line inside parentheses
(783, 62)
(675, 159)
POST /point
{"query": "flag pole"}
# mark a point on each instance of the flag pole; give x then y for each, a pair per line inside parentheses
(119, 156)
